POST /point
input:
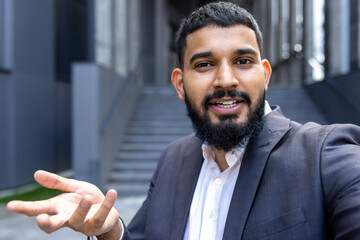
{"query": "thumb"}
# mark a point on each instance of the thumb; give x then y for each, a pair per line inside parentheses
(54, 181)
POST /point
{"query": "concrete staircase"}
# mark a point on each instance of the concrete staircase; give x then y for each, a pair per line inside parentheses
(295, 103)
(160, 118)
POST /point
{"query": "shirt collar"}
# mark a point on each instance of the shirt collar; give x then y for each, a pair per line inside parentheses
(267, 108)
(232, 157)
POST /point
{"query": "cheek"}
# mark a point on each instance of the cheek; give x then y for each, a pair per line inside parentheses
(252, 78)
(256, 93)
(193, 97)
(196, 91)
(254, 86)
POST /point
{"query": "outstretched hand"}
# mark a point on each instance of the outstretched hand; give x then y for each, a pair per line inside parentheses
(81, 207)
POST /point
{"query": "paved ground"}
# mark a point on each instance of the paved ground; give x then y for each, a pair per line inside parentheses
(19, 227)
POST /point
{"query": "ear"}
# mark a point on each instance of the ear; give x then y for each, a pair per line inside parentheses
(177, 81)
(267, 73)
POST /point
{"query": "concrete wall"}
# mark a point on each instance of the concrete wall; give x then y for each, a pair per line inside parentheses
(62, 125)
(27, 94)
(102, 106)
(6, 168)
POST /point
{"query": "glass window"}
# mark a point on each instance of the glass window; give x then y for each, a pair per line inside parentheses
(354, 35)
(5, 35)
(104, 33)
(284, 34)
(71, 36)
(274, 32)
(2, 34)
(113, 50)
(298, 36)
(120, 32)
(338, 37)
(318, 58)
(357, 20)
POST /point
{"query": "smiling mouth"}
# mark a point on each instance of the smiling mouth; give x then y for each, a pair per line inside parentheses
(226, 104)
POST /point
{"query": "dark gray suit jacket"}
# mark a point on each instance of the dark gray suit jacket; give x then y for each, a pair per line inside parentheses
(295, 182)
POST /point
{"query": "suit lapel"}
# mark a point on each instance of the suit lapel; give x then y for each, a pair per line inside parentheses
(189, 173)
(251, 170)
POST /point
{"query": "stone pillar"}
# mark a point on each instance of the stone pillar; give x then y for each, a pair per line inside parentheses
(354, 34)
(6, 31)
(274, 32)
(307, 39)
(134, 33)
(121, 52)
(338, 37)
(161, 43)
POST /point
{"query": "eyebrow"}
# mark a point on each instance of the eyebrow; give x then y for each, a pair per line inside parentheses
(243, 51)
(240, 51)
(200, 55)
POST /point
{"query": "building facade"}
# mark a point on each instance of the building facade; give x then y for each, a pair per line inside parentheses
(71, 71)
(40, 41)
(315, 44)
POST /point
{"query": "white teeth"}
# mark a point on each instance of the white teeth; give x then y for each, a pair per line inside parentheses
(227, 104)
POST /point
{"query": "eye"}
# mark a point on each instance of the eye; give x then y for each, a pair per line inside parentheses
(243, 61)
(203, 65)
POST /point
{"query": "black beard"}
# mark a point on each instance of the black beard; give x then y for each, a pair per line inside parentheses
(227, 134)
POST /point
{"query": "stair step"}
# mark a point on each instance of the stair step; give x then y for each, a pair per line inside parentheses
(295, 103)
(134, 166)
(128, 189)
(160, 123)
(143, 146)
(160, 130)
(130, 177)
(137, 160)
(150, 139)
(156, 117)
(138, 155)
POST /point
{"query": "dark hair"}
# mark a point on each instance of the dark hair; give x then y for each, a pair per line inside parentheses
(224, 14)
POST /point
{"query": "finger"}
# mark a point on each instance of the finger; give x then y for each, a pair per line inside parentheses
(50, 224)
(77, 219)
(101, 214)
(32, 208)
(54, 181)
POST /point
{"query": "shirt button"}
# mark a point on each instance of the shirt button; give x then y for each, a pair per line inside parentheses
(212, 215)
(218, 181)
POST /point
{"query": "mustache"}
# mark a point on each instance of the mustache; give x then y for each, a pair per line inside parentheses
(229, 93)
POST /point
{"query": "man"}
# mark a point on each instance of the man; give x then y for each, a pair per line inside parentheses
(248, 173)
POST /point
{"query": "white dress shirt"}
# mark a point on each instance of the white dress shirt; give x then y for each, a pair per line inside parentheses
(212, 196)
(213, 193)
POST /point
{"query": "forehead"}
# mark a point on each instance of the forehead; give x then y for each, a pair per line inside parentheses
(215, 38)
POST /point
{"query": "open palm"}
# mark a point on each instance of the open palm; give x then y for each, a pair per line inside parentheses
(81, 207)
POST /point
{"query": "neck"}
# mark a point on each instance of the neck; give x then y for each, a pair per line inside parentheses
(220, 159)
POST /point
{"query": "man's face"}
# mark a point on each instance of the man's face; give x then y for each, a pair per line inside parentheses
(224, 77)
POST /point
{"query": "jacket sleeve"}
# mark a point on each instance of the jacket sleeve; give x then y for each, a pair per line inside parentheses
(137, 225)
(340, 173)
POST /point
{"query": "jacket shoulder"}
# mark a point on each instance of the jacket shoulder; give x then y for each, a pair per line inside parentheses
(182, 146)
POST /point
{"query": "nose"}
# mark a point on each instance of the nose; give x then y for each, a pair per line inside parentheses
(225, 78)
